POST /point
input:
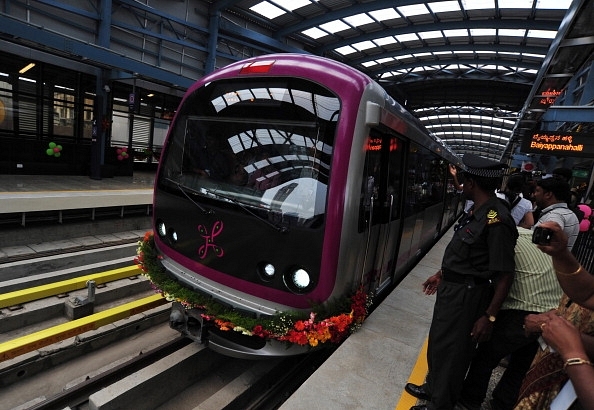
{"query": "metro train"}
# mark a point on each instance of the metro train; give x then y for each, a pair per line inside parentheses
(287, 184)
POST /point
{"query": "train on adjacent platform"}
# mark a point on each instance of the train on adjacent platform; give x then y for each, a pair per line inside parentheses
(287, 180)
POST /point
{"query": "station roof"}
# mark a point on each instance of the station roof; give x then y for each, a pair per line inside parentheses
(470, 70)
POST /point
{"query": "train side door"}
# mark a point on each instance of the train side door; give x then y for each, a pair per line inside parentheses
(382, 193)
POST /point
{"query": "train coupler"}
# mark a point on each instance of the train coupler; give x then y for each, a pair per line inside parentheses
(189, 323)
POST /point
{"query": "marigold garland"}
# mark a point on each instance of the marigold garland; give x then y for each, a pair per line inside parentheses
(323, 325)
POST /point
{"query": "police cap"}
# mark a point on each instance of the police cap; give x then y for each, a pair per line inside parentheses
(482, 167)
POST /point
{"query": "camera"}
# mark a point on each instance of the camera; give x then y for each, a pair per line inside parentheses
(542, 236)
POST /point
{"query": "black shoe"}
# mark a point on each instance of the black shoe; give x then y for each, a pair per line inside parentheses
(420, 407)
(417, 391)
(462, 405)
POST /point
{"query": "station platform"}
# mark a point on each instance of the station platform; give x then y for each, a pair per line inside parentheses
(370, 369)
(32, 193)
(41, 212)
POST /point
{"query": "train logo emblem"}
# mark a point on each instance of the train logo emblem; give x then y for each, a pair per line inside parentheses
(216, 230)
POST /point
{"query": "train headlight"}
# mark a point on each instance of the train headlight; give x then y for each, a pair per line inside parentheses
(161, 229)
(266, 271)
(269, 269)
(298, 280)
(173, 236)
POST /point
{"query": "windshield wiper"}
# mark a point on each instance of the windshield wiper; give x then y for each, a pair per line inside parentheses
(281, 229)
(184, 190)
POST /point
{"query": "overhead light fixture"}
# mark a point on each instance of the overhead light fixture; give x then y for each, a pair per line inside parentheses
(26, 68)
(150, 95)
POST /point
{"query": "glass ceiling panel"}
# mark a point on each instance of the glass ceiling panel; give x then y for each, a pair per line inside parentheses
(444, 6)
(408, 55)
(413, 10)
(385, 14)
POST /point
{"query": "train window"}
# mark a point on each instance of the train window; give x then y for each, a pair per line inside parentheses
(426, 179)
(264, 143)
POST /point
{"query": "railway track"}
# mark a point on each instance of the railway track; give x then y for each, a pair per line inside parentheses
(123, 354)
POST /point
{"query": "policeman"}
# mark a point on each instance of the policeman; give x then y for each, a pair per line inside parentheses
(476, 274)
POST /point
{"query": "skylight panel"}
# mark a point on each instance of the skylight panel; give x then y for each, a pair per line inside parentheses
(478, 4)
(515, 4)
(345, 50)
(553, 4)
(509, 32)
(368, 64)
(385, 60)
(335, 26)
(385, 40)
(444, 6)
(406, 37)
(413, 10)
(364, 45)
(267, 10)
(475, 32)
(359, 20)
(462, 32)
(292, 4)
(384, 14)
(393, 74)
(542, 33)
(314, 33)
(511, 53)
(425, 35)
(418, 55)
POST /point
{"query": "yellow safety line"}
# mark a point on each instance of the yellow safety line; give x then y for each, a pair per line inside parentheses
(44, 291)
(25, 344)
(417, 376)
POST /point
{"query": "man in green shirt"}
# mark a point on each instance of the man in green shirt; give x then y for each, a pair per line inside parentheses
(535, 289)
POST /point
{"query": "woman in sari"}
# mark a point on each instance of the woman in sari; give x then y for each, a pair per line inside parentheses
(549, 371)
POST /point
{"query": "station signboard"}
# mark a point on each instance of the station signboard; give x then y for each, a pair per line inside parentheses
(561, 144)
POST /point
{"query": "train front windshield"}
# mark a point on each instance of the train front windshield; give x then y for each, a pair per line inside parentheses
(262, 143)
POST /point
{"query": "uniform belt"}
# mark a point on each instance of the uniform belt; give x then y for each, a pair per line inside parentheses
(454, 277)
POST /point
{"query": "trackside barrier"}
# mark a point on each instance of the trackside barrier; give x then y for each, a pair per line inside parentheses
(583, 250)
(29, 343)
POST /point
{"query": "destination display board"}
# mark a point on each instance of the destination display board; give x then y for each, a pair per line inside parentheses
(562, 144)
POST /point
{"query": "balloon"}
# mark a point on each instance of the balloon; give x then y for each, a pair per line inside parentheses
(122, 153)
(586, 210)
(54, 149)
(584, 225)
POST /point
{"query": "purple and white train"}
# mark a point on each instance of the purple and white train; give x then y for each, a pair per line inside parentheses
(287, 180)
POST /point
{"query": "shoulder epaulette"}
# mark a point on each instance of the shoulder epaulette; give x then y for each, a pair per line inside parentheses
(493, 216)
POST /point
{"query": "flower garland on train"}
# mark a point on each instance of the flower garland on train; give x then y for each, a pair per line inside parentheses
(323, 325)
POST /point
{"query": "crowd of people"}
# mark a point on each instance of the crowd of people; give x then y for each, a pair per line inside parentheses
(510, 289)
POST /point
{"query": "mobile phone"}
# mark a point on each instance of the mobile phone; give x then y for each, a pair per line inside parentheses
(542, 236)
